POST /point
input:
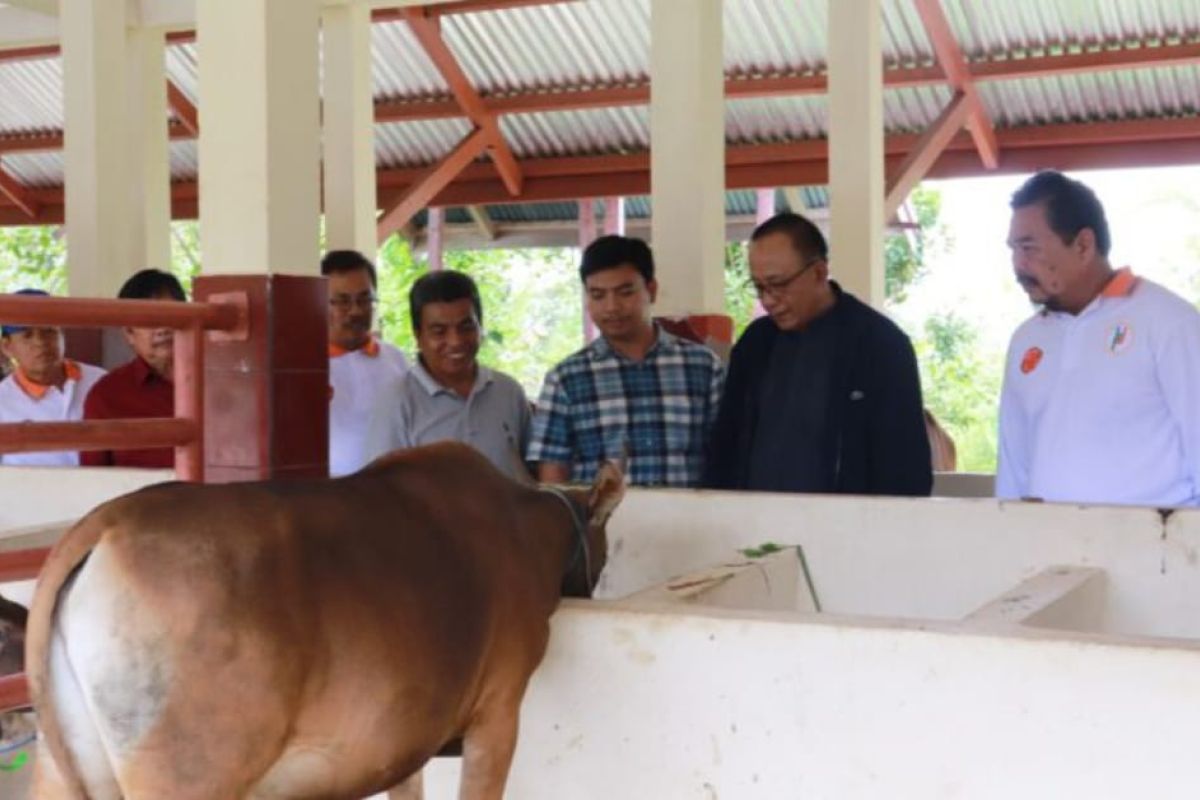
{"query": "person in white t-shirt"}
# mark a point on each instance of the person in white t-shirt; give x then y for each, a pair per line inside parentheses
(363, 371)
(43, 387)
(1101, 398)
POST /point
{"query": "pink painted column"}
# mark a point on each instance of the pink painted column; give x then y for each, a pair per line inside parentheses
(587, 234)
(763, 211)
(435, 232)
(614, 216)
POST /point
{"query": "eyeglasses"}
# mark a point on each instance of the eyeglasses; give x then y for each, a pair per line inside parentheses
(345, 302)
(777, 287)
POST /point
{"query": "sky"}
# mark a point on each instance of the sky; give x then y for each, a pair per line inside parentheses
(1153, 215)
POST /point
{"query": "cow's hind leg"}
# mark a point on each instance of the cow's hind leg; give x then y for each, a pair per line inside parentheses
(488, 748)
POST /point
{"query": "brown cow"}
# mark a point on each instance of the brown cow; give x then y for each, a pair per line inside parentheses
(303, 639)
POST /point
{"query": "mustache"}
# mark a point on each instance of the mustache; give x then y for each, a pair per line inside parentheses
(1028, 281)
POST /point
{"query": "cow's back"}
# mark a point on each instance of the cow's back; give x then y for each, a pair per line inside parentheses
(323, 612)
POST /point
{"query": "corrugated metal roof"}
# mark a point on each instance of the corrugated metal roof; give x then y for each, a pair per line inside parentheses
(1016, 28)
(1128, 94)
(601, 43)
(31, 98)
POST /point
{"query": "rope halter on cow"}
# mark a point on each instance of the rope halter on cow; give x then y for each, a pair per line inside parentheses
(581, 551)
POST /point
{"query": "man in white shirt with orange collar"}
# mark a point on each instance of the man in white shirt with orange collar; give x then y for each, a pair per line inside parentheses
(1101, 398)
(43, 387)
(363, 371)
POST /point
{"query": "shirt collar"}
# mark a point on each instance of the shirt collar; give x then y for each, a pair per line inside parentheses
(483, 376)
(370, 349)
(37, 391)
(1121, 284)
(665, 341)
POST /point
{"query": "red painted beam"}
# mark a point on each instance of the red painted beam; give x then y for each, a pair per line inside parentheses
(925, 154)
(951, 59)
(428, 34)
(428, 183)
(109, 434)
(19, 195)
(1071, 146)
(184, 108)
(22, 565)
(14, 692)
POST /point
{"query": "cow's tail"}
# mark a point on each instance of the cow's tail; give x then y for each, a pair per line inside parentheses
(67, 556)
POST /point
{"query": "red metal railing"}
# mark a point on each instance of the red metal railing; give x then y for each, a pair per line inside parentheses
(228, 316)
(184, 431)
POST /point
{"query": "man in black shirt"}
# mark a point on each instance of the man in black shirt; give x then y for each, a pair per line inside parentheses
(823, 394)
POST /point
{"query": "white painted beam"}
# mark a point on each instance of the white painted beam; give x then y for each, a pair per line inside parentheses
(149, 150)
(260, 137)
(96, 152)
(687, 155)
(856, 166)
(348, 125)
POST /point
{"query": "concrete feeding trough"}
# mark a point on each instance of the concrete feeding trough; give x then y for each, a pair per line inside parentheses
(889, 647)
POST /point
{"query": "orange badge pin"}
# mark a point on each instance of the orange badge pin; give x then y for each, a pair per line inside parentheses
(1031, 359)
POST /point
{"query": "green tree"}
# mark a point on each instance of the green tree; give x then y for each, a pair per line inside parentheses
(961, 385)
(33, 258)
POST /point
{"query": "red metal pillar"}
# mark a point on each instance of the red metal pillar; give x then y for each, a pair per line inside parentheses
(266, 397)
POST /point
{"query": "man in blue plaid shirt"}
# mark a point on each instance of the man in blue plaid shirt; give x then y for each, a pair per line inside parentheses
(636, 391)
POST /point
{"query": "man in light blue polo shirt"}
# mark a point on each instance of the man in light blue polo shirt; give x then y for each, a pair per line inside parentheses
(447, 395)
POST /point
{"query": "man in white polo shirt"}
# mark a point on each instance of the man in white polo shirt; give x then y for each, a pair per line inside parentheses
(448, 395)
(363, 371)
(1101, 398)
(43, 387)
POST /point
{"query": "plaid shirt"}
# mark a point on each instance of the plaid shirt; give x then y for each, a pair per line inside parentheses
(597, 404)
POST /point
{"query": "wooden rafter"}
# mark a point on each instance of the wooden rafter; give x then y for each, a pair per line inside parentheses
(951, 59)
(184, 108)
(428, 33)
(18, 194)
(925, 153)
(1132, 143)
(428, 183)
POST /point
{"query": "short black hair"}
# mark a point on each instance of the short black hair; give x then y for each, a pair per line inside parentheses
(807, 239)
(443, 286)
(342, 261)
(612, 251)
(1070, 206)
(151, 284)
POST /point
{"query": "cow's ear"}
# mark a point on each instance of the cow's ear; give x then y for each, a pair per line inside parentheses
(606, 493)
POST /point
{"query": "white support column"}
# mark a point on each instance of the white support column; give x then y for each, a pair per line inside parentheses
(687, 155)
(614, 216)
(150, 153)
(260, 140)
(856, 167)
(587, 234)
(95, 99)
(349, 129)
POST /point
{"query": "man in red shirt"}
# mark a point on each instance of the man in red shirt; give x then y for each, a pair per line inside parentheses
(141, 388)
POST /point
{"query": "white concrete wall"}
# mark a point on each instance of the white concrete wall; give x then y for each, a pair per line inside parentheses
(36, 495)
(935, 559)
(888, 693)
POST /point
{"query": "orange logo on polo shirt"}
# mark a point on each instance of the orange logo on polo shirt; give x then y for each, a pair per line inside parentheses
(1031, 359)
(1120, 338)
